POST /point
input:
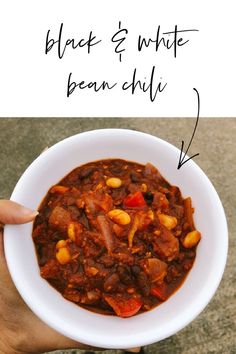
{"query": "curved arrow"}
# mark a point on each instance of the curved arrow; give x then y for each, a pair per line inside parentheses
(181, 157)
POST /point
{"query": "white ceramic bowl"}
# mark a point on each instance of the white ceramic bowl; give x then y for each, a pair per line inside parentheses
(108, 331)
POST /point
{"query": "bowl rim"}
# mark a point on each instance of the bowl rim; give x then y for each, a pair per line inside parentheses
(142, 340)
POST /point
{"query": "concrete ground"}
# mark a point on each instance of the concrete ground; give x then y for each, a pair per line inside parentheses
(214, 330)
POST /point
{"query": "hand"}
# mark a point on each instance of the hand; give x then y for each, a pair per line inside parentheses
(21, 330)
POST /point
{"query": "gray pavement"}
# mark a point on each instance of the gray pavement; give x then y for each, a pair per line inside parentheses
(214, 330)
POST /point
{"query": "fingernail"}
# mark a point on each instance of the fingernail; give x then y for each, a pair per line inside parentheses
(29, 212)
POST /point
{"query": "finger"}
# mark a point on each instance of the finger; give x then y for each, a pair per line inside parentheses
(14, 213)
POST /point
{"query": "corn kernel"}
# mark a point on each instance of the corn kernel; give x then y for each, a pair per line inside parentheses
(119, 216)
(73, 230)
(150, 214)
(113, 182)
(143, 187)
(61, 244)
(168, 221)
(191, 239)
(63, 255)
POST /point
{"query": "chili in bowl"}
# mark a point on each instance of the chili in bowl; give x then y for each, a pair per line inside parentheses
(115, 237)
(116, 259)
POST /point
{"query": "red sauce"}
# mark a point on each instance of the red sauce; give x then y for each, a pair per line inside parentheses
(115, 237)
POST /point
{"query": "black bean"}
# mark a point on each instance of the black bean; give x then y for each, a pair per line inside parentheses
(148, 196)
(86, 172)
(111, 283)
(135, 269)
(143, 283)
(135, 177)
(117, 168)
(84, 220)
(124, 274)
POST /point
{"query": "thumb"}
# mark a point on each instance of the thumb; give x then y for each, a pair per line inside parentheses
(14, 213)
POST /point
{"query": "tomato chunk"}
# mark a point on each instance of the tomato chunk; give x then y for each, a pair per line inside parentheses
(124, 307)
(135, 200)
(160, 292)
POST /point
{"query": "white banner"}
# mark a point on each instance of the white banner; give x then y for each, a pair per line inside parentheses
(117, 58)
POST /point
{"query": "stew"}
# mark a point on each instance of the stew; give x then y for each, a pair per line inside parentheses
(115, 237)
